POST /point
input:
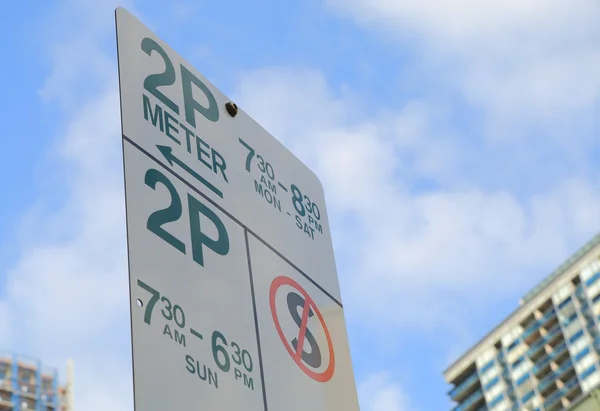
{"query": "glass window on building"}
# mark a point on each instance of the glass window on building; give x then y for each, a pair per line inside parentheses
(584, 363)
(46, 384)
(488, 375)
(562, 293)
(485, 360)
(496, 402)
(26, 375)
(494, 392)
(579, 345)
(592, 283)
(589, 270)
(523, 367)
(511, 339)
(591, 381)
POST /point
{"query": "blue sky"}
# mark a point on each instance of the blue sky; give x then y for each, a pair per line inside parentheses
(456, 140)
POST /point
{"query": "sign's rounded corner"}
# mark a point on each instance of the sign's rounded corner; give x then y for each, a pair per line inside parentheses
(121, 11)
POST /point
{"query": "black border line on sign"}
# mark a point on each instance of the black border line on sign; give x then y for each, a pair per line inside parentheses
(221, 209)
(260, 361)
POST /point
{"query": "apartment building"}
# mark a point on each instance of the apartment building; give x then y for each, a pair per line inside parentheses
(28, 384)
(545, 355)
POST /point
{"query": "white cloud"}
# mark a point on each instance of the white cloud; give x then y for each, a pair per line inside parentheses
(404, 248)
(76, 35)
(379, 393)
(54, 278)
(463, 24)
(523, 62)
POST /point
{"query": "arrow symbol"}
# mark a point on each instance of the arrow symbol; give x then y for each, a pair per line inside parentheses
(167, 152)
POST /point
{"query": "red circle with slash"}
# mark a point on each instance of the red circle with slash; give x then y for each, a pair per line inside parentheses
(296, 354)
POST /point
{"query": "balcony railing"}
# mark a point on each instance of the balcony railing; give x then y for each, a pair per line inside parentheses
(552, 333)
(559, 393)
(538, 323)
(550, 378)
(530, 329)
(463, 386)
(540, 365)
(558, 350)
(472, 399)
(537, 344)
(553, 398)
(549, 314)
(566, 366)
(546, 381)
(535, 348)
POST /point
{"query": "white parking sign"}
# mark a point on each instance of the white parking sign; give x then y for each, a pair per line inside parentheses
(235, 301)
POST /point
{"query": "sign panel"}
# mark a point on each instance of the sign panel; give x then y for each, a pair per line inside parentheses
(235, 302)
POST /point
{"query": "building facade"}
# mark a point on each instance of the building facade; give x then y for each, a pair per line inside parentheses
(545, 355)
(28, 384)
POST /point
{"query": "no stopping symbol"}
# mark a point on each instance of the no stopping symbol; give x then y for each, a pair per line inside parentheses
(301, 344)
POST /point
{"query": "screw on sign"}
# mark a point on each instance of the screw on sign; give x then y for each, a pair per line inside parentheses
(308, 361)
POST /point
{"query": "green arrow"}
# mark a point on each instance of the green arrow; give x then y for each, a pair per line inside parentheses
(167, 152)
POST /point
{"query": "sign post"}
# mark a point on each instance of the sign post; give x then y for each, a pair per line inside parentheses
(235, 301)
